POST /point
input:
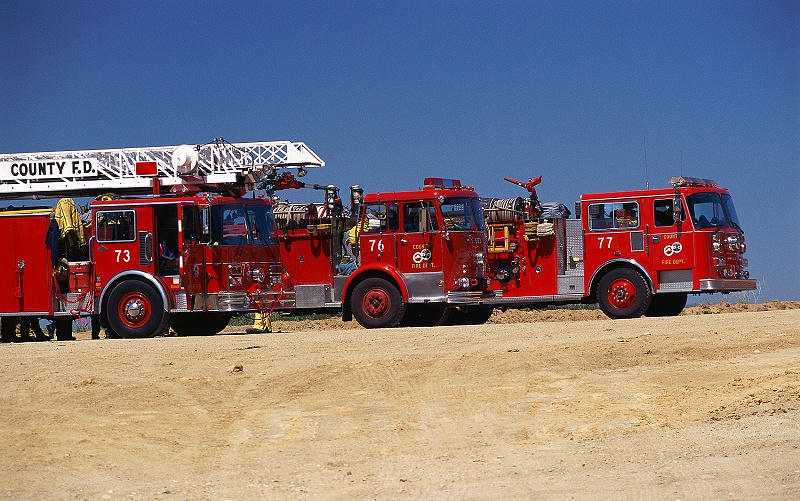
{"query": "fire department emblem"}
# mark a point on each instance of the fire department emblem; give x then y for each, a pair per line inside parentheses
(423, 255)
(675, 248)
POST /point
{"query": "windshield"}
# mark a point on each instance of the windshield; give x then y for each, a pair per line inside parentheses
(461, 214)
(730, 210)
(710, 210)
(261, 223)
(242, 225)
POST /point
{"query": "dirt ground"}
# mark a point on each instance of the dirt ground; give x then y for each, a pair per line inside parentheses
(533, 405)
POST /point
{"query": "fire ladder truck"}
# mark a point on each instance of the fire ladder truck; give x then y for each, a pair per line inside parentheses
(170, 239)
(634, 252)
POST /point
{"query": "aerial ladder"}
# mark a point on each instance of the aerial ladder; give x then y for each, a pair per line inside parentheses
(218, 166)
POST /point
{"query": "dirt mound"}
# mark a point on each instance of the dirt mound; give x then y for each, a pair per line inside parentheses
(725, 307)
(514, 316)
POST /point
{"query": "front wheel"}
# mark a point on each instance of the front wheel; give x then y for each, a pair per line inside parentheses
(623, 293)
(377, 303)
(136, 309)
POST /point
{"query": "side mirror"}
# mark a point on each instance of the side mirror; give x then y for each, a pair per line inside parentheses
(677, 210)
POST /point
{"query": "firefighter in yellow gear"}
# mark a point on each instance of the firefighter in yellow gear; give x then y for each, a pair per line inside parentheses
(262, 323)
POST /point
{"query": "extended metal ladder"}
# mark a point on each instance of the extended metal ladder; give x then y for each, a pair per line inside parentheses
(211, 166)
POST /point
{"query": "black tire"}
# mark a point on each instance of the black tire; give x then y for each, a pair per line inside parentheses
(425, 315)
(470, 315)
(199, 323)
(135, 309)
(667, 305)
(623, 293)
(376, 303)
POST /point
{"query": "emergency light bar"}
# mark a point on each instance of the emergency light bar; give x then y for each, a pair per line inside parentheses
(438, 182)
(683, 181)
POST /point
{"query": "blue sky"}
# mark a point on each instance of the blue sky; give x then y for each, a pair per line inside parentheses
(592, 95)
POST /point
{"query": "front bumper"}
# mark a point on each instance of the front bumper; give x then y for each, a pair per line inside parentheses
(727, 285)
(468, 297)
(239, 301)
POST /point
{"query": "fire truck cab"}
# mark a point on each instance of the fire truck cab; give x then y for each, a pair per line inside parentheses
(634, 253)
(190, 263)
(396, 258)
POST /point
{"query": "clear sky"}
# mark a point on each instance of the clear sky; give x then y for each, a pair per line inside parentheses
(592, 95)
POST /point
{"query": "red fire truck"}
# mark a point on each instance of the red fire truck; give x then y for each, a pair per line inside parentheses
(397, 258)
(189, 255)
(635, 253)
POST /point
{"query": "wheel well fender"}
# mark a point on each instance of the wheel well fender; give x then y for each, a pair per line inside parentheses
(613, 265)
(130, 275)
(386, 273)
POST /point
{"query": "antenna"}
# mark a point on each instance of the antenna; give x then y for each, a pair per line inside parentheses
(646, 176)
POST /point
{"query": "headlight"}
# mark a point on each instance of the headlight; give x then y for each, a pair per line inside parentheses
(743, 262)
(257, 274)
(462, 282)
(733, 242)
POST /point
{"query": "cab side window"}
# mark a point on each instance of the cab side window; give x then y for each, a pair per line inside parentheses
(615, 215)
(662, 213)
(394, 217)
(419, 217)
(374, 219)
(115, 226)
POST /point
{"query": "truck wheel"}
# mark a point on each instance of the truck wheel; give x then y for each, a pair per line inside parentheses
(667, 305)
(135, 309)
(198, 323)
(377, 303)
(470, 315)
(425, 315)
(623, 293)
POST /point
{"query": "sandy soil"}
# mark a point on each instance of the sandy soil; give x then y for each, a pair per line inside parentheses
(534, 405)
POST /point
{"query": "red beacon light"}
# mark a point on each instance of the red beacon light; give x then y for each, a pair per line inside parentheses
(441, 183)
(146, 169)
(683, 181)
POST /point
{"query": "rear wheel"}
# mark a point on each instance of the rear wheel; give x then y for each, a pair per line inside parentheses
(470, 315)
(425, 315)
(667, 305)
(198, 323)
(377, 303)
(623, 293)
(136, 309)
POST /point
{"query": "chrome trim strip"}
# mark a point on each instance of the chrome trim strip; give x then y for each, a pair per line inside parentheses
(726, 284)
(521, 300)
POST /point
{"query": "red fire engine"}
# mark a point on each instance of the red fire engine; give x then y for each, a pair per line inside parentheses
(635, 253)
(189, 255)
(398, 258)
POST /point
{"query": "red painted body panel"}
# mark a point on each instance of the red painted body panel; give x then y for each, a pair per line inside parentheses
(26, 276)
